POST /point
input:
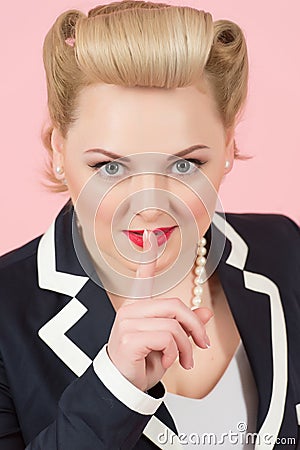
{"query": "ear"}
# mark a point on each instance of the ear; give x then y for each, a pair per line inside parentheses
(57, 144)
(229, 149)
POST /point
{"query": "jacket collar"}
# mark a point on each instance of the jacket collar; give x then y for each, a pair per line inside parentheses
(265, 340)
(257, 308)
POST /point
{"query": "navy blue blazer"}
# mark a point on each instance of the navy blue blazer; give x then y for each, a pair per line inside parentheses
(54, 320)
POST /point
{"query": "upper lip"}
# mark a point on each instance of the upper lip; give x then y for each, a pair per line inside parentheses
(155, 229)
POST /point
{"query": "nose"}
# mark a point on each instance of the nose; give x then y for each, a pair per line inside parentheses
(150, 215)
(150, 198)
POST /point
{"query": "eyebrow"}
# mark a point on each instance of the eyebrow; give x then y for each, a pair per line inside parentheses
(125, 159)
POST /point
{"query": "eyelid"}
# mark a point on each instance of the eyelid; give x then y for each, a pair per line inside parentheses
(195, 161)
(106, 161)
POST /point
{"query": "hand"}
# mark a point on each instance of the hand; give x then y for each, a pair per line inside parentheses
(148, 334)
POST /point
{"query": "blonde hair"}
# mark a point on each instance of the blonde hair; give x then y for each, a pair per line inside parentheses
(138, 43)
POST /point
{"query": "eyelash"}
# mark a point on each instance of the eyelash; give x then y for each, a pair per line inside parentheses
(195, 161)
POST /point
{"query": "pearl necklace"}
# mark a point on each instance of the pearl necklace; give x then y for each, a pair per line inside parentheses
(199, 272)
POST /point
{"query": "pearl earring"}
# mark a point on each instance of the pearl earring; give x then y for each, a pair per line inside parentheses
(59, 170)
(199, 270)
(227, 164)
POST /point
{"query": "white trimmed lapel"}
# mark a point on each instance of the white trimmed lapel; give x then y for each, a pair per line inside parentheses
(53, 333)
(48, 277)
(261, 284)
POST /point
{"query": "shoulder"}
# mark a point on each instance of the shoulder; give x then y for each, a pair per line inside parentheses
(18, 267)
(258, 223)
(273, 242)
(23, 303)
(20, 254)
(266, 228)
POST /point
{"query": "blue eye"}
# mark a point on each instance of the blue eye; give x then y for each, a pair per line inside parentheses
(114, 169)
(186, 166)
(109, 168)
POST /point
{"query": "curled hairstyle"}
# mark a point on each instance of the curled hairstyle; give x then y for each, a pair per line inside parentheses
(137, 43)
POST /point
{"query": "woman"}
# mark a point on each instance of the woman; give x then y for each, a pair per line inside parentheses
(142, 313)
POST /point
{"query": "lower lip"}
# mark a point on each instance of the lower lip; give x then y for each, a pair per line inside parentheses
(137, 239)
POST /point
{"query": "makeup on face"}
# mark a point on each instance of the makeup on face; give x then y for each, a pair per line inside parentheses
(129, 152)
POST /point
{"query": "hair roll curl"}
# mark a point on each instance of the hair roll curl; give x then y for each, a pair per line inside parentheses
(137, 43)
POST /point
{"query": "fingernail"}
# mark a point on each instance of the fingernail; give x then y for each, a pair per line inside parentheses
(145, 236)
(191, 366)
(207, 341)
(194, 307)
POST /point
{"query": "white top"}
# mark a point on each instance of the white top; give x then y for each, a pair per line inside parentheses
(224, 413)
(228, 412)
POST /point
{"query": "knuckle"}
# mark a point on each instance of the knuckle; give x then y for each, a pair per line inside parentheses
(123, 325)
(176, 302)
(174, 326)
(125, 339)
(122, 312)
(169, 340)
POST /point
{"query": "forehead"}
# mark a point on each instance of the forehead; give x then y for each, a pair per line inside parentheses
(130, 120)
(142, 99)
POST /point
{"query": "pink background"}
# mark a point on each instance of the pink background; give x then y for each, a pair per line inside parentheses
(270, 129)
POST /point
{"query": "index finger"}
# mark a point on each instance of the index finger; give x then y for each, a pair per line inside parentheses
(142, 285)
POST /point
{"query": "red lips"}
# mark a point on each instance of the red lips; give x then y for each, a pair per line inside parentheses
(163, 234)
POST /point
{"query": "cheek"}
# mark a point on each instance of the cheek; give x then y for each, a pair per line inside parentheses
(200, 196)
(215, 168)
(107, 217)
(105, 213)
(94, 204)
(96, 214)
(76, 176)
(200, 212)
